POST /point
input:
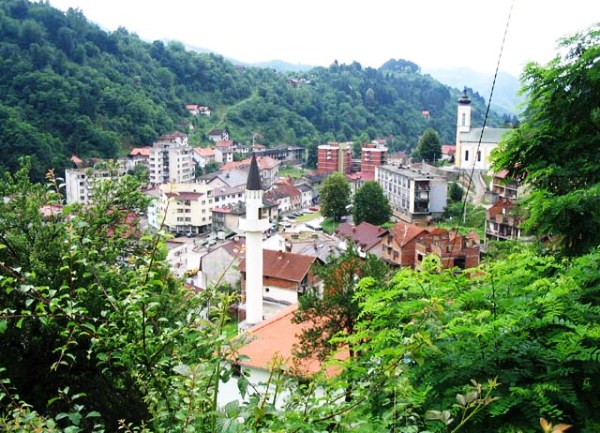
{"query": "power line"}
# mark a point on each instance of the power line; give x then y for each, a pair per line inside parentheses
(487, 112)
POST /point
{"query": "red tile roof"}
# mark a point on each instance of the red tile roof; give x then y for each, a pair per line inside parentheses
(448, 149)
(501, 206)
(403, 232)
(364, 235)
(284, 265)
(278, 337)
(224, 143)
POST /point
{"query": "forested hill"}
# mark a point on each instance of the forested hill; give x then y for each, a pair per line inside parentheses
(68, 87)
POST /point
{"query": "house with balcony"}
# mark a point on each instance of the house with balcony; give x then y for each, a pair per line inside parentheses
(185, 208)
(503, 221)
(415, 196)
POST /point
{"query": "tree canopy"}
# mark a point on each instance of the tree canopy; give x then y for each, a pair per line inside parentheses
(554, 150)
(371, 205)
(335, 196)
(429, 148)
(68, 87)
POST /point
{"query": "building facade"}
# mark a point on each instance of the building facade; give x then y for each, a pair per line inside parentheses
(473, 145)
(372, 156)
(334, 157)
(171, 160)
(414, 196)
(80, 182)
(185, 208)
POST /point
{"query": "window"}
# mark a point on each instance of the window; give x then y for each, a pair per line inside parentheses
(463, 119)
(479, 156)
(466, 155)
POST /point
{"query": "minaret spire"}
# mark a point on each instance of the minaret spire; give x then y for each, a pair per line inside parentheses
(254, 225)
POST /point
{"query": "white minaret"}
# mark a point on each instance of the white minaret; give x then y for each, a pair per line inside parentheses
(463, 124)
(254, 225)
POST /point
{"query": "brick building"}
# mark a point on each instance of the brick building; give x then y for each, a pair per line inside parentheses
(334, 157)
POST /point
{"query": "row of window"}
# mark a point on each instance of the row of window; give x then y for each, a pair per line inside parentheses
(478, 155)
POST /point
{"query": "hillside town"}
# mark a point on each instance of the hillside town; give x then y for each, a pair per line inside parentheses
(247, 227)
(191, 244)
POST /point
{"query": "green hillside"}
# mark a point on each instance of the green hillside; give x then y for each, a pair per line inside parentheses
(68, 87)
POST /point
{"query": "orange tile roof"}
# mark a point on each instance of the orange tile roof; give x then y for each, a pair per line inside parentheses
(140, 151)
(204, 151)
(277, 337)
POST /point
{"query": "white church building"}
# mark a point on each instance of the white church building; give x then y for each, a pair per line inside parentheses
(473, 145)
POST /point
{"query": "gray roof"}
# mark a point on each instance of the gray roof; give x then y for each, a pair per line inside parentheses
(253, 183)
(490, 135)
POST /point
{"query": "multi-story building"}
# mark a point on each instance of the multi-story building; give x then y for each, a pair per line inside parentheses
(80, 182)
(171, 160)
(503, 221)
(414, 196)
(334, 157)
(185, 207)
(372, 156)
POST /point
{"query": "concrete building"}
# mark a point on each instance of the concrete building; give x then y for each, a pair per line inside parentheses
(334, 157)
(415, 196)
(473, 145)
(185, 208)
(171, 160)
(203, 156)
(80, 182)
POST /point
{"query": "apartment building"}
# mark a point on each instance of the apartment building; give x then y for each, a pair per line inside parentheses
(334, 157)
(372, 156)
(185, 208)
(415, 196)
(80, 182)
(171, 160)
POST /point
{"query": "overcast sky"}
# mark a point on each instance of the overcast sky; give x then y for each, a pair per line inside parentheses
(431, 33)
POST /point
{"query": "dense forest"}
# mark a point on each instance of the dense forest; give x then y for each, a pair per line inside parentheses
(69, 87)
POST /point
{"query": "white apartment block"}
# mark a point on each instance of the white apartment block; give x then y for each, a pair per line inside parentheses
(171, 160)
(185, 208)
(414, 196)
(79, 182)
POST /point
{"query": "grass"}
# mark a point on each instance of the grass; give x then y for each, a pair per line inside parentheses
(329, 225)
(308, 217)
(293, 172)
